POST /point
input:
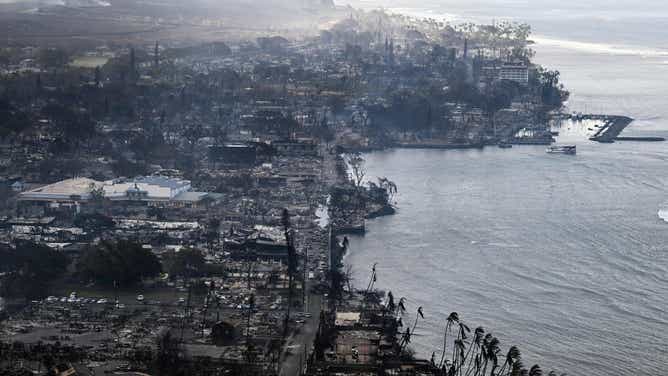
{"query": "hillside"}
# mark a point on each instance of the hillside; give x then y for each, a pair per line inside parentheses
(55, 22)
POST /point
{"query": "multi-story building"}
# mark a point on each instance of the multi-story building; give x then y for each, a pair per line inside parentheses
(515, 72)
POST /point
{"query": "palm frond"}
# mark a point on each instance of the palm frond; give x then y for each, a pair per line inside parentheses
(536, 371)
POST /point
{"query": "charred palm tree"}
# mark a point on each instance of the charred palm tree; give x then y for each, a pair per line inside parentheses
(452, 319)
(292, 264)
(418, 315)
(474, 359)
(390, 306)
(535, 371)
(372, 280)
(406, 339)
(400, 310)
(458, 351)
(251, 307)
(490, 354)
(401, 307)
(513, 356)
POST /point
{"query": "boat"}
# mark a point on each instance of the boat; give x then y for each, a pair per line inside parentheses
(505, 145)
(562, 149)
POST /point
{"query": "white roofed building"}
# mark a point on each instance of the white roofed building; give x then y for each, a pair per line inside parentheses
(70, 190)
(147, 188)
(153, 190)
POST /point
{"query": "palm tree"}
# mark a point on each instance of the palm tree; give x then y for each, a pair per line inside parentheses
(409, 332)
(452, 319)
(401, 307)
(535, 371)
(417, 316)
(251, 306)
(476, 344)
(458, 352)
(512, 357)
(490, 353)
(373, 279)
(405, 340)
(292, 261)
(390, 306)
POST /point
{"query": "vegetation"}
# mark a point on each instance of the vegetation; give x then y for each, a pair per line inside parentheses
(122, 264)
(29, 270)
(70, 124)
(464, 352)
(355, 162)
(13, 357)
(187, 262)
(94, 222)
(551, 91)
(171, 357)
(12, 120)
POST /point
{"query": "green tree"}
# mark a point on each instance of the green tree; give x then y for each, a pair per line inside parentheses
(53, 58)
(188, 262)
(12, 120)
(71, 125)
(124, 263)
(30, 267)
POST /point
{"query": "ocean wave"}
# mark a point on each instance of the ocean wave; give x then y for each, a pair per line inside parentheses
(600, 48)
(427, 14)
(663, 214)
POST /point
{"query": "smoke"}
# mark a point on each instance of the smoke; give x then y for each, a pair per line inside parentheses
(65, 3)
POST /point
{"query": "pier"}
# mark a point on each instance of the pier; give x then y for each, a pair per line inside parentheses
(613, 126)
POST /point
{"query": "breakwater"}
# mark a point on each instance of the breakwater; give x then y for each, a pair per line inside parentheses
(641, 139)
(435, 145)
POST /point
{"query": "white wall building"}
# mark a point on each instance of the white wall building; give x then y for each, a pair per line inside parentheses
(151, 188)
(155, 190)
(515, 72)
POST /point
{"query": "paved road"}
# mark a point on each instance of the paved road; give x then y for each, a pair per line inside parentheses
(290, 365)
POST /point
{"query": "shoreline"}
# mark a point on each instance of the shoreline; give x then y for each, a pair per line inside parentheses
(614, 125)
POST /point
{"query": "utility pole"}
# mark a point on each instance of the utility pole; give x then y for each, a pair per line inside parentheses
(187, 307)
(156, 57)
(305, 307)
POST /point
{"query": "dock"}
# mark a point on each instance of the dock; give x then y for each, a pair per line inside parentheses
(612, 127)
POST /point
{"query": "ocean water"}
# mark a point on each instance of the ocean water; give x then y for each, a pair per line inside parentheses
(563, 256)
(566, 257)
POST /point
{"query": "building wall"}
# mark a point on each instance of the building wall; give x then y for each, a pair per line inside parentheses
(515, 73)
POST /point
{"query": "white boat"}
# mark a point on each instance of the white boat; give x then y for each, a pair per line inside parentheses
(562, 149)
